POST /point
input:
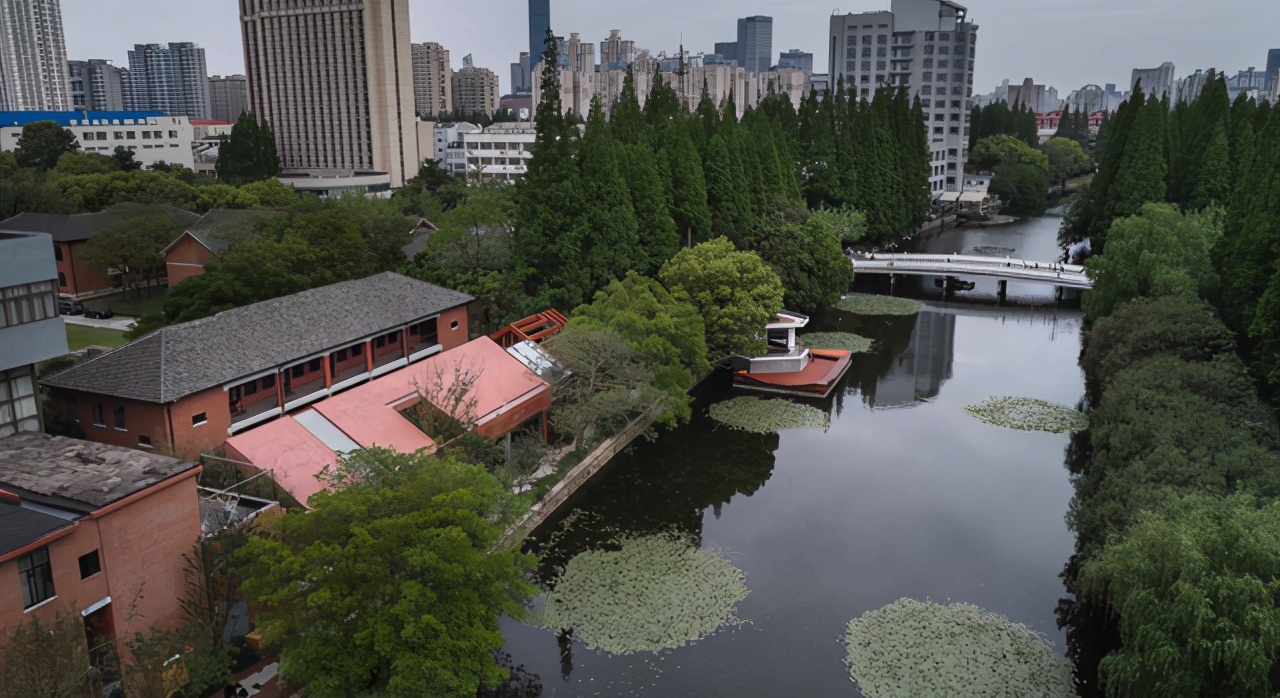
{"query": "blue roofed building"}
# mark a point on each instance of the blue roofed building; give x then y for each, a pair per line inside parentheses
(151, 135)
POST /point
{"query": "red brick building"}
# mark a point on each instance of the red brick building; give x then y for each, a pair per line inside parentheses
(71, 234)
(93, 531)
(185, 388)
(213, 234)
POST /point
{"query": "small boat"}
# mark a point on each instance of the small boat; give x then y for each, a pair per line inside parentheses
(790, 367)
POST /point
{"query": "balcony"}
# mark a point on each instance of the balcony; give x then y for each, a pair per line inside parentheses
(253, 402)
(303, 390)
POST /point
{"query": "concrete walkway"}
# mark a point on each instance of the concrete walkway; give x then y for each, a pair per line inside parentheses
(121, 323)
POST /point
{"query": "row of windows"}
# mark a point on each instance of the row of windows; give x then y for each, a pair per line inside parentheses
(18, 403)
(26, 303)
(125, 135)
(36, 574)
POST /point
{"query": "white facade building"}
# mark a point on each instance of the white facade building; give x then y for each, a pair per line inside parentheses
(33, 57)
(1156, 82)
(151, 136)
(500, 152)
(926, 46)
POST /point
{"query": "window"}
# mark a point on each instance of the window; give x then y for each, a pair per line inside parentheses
(380, 342)
(866, 51)
(199, 419)
(928, 36)
(57, 252)
(102, 135)
(943, 64)
(37, 577)
(62, 280)
(882, 52)
(269, 382)
(315, 366)
(88, 136)
(883, 39)
(879, 65)
(146, 135)
(866, 65)
(944, 50)
(90, 564)
(144, 441)
(340, 355)
(119, 419)
(357, 350)
(944, 36)
(99, 415)
(118, 135)
(26, 303)
(18, 402)
(928, 62)
(297, 371)
(131, 135)
(251, 388)
(453, 325)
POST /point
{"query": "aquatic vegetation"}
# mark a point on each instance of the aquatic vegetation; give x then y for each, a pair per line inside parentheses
(1029, 414)
(654, 592)
(767, 416)
(914, 648)
(870, 304)
(992, 251)
(838, 340)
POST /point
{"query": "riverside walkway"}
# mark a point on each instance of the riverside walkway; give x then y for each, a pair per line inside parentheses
(949, 265)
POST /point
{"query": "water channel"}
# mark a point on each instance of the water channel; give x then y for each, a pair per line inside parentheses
(905, 495)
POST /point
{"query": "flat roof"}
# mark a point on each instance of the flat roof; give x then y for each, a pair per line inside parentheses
(80, 475)
(64, 118)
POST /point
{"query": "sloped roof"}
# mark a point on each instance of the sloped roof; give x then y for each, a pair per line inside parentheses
(222, 227)
(84, 473)
(82, 226)
(20, 526)
(180, 360)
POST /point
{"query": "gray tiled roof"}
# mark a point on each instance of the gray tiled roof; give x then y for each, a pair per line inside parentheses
(82, 226)
(19, 526)
(221, 227)
(81, 472)
(179, 360)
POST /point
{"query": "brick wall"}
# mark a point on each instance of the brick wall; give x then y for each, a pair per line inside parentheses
(451, 335)
(142, 419)
(80, 277)
(185, 259)
(191, 439)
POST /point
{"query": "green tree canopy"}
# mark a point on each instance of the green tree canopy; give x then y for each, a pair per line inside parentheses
(1066, 158)
(391, 588)
(84, 163)
(736, 293)
(249, 154)
(994, 151)
(805, 252)
(1156, 253)
(1024, 189)
(131, 244)
(664, 330)
(42, 144)
(125, 159)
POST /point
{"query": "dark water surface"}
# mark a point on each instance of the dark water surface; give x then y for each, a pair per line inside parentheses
(905, 495)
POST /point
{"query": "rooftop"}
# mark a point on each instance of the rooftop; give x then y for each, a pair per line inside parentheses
(80, 475)
(65, 118)
(20, 525)
(74, 227)
(180, 360)
(220, 228)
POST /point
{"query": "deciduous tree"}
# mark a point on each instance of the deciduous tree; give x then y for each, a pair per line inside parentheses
(42, 143)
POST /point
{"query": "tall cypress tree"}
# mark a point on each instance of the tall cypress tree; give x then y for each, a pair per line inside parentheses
(608, 229)
(249, 155)
(659, 240)
(730, 203)
(627, 121)
(688, 189)
(1141, 176)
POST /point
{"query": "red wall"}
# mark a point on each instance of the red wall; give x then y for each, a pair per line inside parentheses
(452, 338)
(192, 440)
(142, 571)
(141, 419)
(81, 277)
(186, 259)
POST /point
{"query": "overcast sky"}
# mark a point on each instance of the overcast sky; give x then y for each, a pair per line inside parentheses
(1062, 43)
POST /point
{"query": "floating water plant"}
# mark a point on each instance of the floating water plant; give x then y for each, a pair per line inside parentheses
(1029, 414)
(838, 340)
(653, 593)
(993, 251)
(767, 416)
(869, 304)
(913, 648)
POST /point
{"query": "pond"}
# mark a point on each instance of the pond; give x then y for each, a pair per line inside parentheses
(904, 495)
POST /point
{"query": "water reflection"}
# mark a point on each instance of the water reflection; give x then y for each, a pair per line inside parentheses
(660, 485)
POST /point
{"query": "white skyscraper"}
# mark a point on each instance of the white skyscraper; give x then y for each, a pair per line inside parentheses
(432, 80)
(33, 57)
(334, 80)
(926, 46)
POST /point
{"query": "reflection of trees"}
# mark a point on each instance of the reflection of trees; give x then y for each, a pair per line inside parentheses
(915, 351)
(663, 484)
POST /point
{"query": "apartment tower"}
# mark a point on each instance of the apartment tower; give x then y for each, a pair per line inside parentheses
(334, 80)
(96, 85)
(432, 80)
(171, 78)
(228, 97)
(33, 57)
(475, 90)
(927, 47)
(755, 43)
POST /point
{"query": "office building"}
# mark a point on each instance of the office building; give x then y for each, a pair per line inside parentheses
(755, 43)
(31, 330)
(475, 90)
(1156, 82)
(520, 75)
(334, 80)
(33, 57)
(151, 136)
(727, 50)
(500, 152)
(796, 59)
(170, 79)
(96, 85)
(228, 97)
(927, 47)
(432, 80)
(616, 53)
(539, 25)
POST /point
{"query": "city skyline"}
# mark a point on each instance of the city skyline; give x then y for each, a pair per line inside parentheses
(1018, 39)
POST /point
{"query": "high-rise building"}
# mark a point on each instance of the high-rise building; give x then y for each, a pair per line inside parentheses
(334, 80)
(796, 59)
(1273, 71)
(475, 90)
(1156, 82)
(755, 43)
(33, 57)
(539, 25)
(927, 47)
(169, 78)
(520, 75)
(727, 50)
(616, 53)
(228, 97)
(96, 85)
(432, 80)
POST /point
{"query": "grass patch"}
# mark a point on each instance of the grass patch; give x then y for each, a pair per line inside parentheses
(80, 336)
(869, 304)
(138, 302)
(838, 340)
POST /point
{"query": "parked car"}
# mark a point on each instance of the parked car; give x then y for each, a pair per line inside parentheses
(102, 314)
(68, 306)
